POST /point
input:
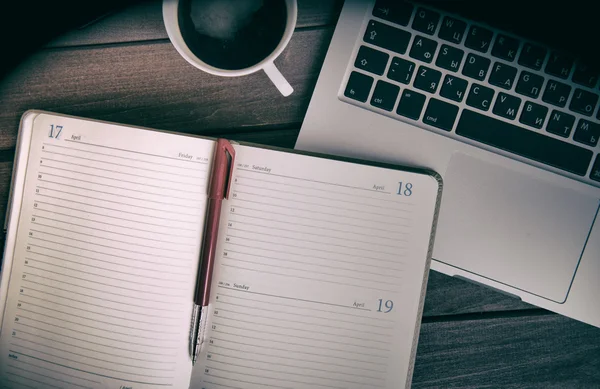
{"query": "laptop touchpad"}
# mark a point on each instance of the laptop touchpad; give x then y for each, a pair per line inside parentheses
(511, 227)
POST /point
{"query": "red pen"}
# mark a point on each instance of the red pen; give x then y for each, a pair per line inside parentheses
(218, 189)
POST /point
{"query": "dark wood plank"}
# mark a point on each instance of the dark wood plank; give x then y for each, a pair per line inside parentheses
(151, 85)
(547, 351)
(451, 296)
(143, 22)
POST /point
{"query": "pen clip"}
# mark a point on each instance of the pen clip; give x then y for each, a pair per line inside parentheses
(223, 163)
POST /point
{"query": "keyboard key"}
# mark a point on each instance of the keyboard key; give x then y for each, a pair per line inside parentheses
(427, 79)
(505, 47)
(388, 37)
(449, 58)
(423, 49)
(411, 104)
(395, 11)
(502, 75)
(532, 56)
(583, 102)
(453, 88)
(507, 106)
(359, 86)
(480, 97)
(533, 114)
(523, 142)
(384, 95)
(595, 173)
(401, 70)
(560, 123)
(479, 39)
(440, 114)
(426, 21)
(529, 84)
(452, 30)
(371, 60)
(559, 65)
(476, 67)
(587, 133)
(556, 93)
(585, 75)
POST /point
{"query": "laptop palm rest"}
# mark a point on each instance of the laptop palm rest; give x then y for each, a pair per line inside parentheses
(543, 227)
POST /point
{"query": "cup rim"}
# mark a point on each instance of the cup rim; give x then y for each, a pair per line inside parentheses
(171, 21)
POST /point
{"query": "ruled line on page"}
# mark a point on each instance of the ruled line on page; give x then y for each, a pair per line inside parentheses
(84, 371)
(55, 168)
(100, 283)
(322, 265)
(295, 299)
(122, 172)
(300, 367)
(88, 288)
(320, 190)
(325, 198)
(103, 245)
(92, 327)
(29, 379)
(311, 271)
(312, 331)
(299, 352)
(220, 308)
(312, 226)
(133, 151)
(254, 331)
(161, 271)
(79, 362)
(88, 334)
(108, 216)
(120, 164)
(94, 350)
(116, 194)
(56, 371)
(313, 219)
(108, 186)
(271, 378)
(316, 181)
(115, 202)
(325, 236)
(249, 382)
(110, 209)
(324, 205)
(222, 385)
(320, 250)
(108, 224)
(101, 275)
(311, 256)
(46, 376)
(321, 213)
(82, 316)
(254, 353)
(87, 303)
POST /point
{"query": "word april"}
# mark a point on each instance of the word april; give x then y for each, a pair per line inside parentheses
(379, 187)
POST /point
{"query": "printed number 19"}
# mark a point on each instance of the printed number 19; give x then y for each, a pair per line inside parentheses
(385, 307)
(405, 190)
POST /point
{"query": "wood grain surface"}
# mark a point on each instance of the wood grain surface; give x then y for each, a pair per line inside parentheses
(122, 68)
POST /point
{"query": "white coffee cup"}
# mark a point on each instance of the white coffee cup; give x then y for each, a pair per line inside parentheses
(171, 20)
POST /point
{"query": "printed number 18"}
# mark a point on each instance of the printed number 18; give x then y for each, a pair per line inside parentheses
(385, 307)
(405, 190)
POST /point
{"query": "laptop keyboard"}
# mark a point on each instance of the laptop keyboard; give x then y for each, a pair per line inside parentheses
(477, 84)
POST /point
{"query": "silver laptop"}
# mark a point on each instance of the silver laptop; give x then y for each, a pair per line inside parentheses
(512, 127)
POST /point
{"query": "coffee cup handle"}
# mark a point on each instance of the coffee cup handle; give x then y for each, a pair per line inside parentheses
(277, 78)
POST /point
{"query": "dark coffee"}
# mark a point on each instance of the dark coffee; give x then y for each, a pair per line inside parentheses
(232, 34)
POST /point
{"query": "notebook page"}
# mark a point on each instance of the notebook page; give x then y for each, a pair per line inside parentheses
(105, 259)
(319, 275)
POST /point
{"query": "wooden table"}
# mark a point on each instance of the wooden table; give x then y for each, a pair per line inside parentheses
(124, 69)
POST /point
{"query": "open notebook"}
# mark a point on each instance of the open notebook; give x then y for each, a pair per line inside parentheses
(319, 280)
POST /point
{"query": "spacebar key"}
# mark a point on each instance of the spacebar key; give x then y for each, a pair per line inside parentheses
(526, 143)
